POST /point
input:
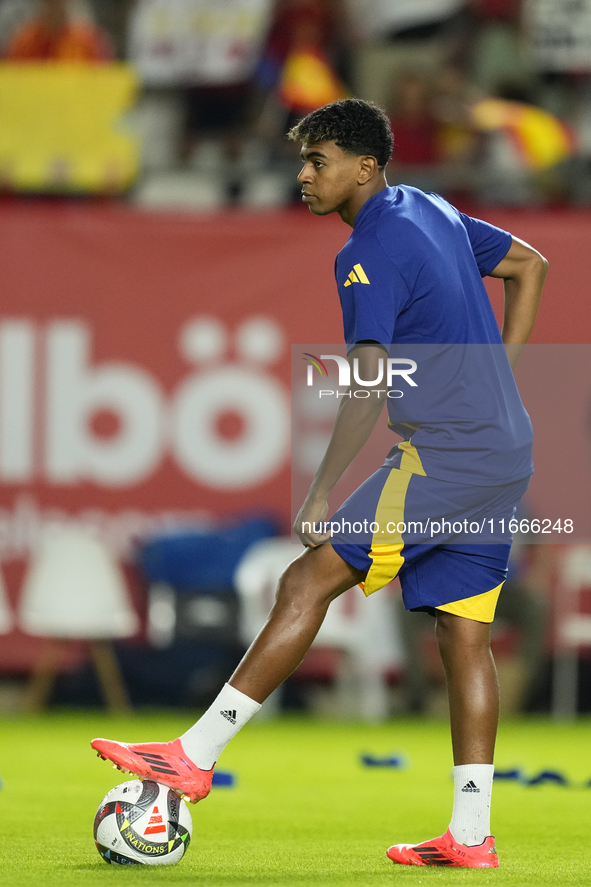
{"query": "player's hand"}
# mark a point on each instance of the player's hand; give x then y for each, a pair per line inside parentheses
(312, 513)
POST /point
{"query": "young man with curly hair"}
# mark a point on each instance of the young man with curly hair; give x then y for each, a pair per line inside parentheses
(410, 274)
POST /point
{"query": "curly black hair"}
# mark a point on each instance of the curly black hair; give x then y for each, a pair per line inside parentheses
(356, 126)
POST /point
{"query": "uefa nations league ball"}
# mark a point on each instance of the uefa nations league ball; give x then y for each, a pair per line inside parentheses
(142, 823)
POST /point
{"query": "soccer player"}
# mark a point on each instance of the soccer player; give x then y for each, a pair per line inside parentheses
(410, 273)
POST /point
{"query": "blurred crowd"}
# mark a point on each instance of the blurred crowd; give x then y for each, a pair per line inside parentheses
(489, 99)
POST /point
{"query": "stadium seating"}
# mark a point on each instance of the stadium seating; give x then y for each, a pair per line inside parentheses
(75, 590)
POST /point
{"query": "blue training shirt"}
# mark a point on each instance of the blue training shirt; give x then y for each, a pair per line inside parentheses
(410, 278)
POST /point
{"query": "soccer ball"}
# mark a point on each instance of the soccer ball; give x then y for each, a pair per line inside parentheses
(142, 823)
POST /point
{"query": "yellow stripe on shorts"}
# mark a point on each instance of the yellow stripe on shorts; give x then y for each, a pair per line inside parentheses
(411, 461)
(386, 546)
(480, 608)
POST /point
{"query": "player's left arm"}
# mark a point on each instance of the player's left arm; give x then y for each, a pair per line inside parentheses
(523, 271)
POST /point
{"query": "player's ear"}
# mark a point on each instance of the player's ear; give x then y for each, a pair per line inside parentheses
(368, 167)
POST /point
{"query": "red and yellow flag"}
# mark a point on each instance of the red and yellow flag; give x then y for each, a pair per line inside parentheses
(541, 138)
(308, 82)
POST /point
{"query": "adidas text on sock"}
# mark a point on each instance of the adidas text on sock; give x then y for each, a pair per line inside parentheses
(470, 821)
(205, 740)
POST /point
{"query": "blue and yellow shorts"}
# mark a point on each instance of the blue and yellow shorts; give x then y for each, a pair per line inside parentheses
(386, 528)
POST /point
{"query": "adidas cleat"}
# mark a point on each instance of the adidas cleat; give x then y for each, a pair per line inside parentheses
(164, 762)
(446, 851)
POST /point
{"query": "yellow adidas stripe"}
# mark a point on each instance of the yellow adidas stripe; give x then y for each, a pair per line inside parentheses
(361, 273)
(410, 461)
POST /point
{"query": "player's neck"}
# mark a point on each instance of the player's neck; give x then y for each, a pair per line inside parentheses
(350, 209)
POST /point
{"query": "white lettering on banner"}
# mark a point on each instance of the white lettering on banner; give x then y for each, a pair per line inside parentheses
(76, 391)
(17, 379)
(22, 526)
(252, 457)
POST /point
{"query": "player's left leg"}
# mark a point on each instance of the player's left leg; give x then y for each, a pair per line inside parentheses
(473, 691)
(472, 685)
(464, 646)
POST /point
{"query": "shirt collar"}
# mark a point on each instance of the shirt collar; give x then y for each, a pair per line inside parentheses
(374, 203)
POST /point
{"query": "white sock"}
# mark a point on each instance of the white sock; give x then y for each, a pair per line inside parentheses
(470, 820)
(207, 739)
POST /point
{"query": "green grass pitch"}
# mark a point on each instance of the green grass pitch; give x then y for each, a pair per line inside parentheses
(304, 810)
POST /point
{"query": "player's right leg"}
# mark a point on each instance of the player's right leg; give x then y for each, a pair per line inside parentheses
(186, 765)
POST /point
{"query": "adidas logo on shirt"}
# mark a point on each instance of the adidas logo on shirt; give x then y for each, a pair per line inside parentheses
(231, 716)
(357, 275)
(471, 787)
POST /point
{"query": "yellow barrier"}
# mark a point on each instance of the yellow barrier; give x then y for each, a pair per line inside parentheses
(62, 127)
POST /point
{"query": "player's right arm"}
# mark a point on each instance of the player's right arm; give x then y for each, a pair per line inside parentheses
(523, 271)
(371, 293)
(353, 425)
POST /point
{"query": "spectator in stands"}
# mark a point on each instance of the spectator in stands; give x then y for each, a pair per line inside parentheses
(454, 95)
(304, 57)
(54, 33)
(501, 10)
(13, 13)
(304, 64)
(218, 112)
(321, 23)
(417, 146)
(436, 143)
(413, 123)
(494, 50)
(401, 36)
(406, 18)
(527, 151)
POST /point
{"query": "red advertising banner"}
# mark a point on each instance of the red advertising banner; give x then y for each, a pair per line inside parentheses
(144, 363)
(145, 359)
